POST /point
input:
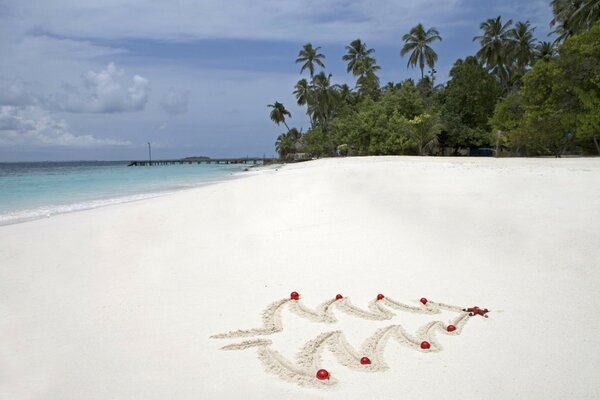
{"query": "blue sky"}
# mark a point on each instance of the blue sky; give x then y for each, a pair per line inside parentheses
(97, 80)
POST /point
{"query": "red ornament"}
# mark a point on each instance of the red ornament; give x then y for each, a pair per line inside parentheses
(425, 345)
(322, 374)
(380, 296)
(365, 361)
(339, 297)
(294, 296)
(451, 328)
(423, 300)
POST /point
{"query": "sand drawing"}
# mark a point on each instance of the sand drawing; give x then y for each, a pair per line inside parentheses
(306, 369)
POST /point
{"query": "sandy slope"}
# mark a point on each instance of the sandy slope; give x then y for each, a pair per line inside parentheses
(119, 302)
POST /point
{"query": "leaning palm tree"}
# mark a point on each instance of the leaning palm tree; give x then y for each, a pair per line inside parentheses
(587, 14)
(417, 42)
(310, 57)
(522, 47)
(357, 52)
(574, 16)
(563, 11)
(278, 114)
(495, 44)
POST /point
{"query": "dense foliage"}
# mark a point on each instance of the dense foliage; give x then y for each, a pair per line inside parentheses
(514, 96)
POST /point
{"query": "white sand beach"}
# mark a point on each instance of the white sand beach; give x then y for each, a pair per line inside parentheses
(121, 302)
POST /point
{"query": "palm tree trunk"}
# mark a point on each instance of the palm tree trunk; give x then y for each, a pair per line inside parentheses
(286, 125)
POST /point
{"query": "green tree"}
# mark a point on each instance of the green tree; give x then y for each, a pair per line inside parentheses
(580, 63)
(506, 122)
(310, 57)
(468, 100)
(547, 126)
(315, 142)
(380, 126)
(278, 114)
(417, 43)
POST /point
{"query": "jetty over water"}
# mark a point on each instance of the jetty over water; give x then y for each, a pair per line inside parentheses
(201, 160)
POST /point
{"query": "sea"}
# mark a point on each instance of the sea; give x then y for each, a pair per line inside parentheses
(32, 190)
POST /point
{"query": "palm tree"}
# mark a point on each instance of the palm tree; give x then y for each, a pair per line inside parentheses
(356, 56)
(345, 94)
(425, 128)
(324, 99)
(563, 11)
(278, 114)
(495, 43)
(587, 14)
(574, 16)
(546, 51)
(302, 92)
(522, 46)
(417, 41)
(310, 57)
(363, 66)
(287, 143)
(368, 82)
(304, 97)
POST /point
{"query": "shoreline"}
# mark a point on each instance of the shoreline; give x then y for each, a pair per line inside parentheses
(33, 214)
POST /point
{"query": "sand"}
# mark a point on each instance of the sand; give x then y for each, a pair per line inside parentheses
(121, 302)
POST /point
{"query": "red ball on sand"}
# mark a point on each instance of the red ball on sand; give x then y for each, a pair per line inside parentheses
(423, 300)
(365, 361)
(294, 296)
(322, 374)
(339, 297)
(425, 345)
(380, 296)
(451, 328)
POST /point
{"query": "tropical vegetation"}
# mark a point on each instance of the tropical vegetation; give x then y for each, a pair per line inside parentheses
(516, 95)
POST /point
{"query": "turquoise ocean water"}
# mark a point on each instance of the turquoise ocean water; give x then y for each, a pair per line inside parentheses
(37, 190)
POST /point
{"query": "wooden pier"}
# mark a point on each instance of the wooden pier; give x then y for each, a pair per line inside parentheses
(183, 161)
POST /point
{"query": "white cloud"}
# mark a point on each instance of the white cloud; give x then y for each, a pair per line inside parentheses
(33, 127)
(175, 102)
(103, 92)
(17, 92)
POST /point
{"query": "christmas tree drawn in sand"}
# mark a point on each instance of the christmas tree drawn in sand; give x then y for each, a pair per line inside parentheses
(307, 371)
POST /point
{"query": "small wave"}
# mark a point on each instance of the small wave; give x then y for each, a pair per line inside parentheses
(16, 215)
(47, 211)
(29, 214)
